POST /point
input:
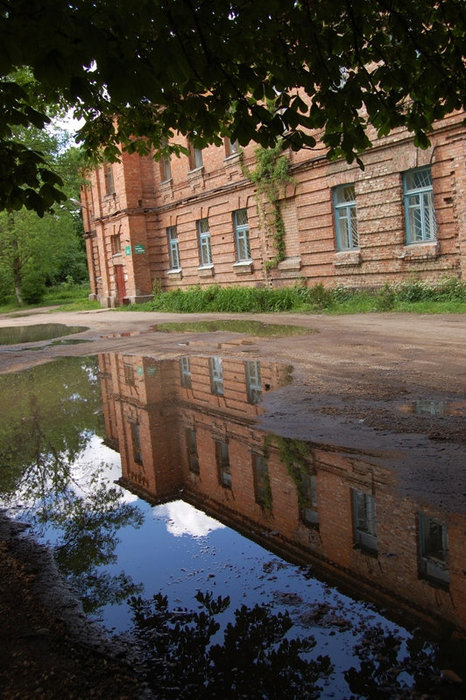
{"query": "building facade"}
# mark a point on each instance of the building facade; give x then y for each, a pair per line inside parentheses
(197, 219)
(186, 428)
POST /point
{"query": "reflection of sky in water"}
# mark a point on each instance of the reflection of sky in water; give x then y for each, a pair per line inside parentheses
(183, 519)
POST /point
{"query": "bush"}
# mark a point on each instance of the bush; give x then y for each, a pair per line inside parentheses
(33, 287)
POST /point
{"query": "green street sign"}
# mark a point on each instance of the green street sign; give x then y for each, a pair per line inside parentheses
(139, 248)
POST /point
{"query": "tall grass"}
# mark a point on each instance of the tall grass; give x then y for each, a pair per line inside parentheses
(446, 295)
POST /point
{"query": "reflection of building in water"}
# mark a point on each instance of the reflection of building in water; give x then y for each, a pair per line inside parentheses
(186, 428)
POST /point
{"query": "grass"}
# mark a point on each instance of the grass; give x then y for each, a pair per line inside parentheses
(445, 296)
(66, 296)
(448, 295)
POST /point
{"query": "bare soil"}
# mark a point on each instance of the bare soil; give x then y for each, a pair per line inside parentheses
(360, 369)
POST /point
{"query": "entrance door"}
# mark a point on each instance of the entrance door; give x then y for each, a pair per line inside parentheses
(120, 284)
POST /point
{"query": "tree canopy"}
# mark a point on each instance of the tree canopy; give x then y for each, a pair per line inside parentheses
(254, 70)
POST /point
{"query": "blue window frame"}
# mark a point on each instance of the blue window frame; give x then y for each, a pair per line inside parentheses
(346, 223)
(253, 380)
(173, 248)
(418, 194)
(216, 375)
(185, 371)
(205, 252)
(240, 221)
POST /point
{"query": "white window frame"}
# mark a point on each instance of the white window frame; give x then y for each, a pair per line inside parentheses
(205, 250)
(173, 247)
(243, 248)
(420, 221)
(216, 375)
(345, 218)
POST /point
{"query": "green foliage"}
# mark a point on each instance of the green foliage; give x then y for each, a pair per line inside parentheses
(448, 294)
(270, 177)
(356, 65)
(32, 287)
(256, 659)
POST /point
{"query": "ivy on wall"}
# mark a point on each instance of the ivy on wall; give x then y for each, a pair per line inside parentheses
(270, 177)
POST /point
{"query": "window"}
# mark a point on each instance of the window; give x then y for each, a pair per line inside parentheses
(262, 492)
(253, 380)
(433, 550)
(195, 157)
(419, 206)
(240, 222)
(191, 446)
(365, 536)
(185, 370)
(116, 243)
(129, 374)
(165, 168)
(308, 505)
(231, 147)
(216, 376)
(136, 440)
(344, 205)
(205, 253)
(108, 176)
(173, 248)
(223, 464)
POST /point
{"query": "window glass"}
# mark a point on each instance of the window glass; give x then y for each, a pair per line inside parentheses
(240, 220)
(420, 220)
(346, 224)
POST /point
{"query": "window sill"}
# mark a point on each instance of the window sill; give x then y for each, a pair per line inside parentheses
(232, 158)
(420, 251)
(243, 267)
(347, 258)
(206, 271)
(196, 171)
(292, 263)
(178, 273)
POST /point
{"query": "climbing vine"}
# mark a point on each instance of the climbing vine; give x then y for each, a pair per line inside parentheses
(294, 454)
(270, 176)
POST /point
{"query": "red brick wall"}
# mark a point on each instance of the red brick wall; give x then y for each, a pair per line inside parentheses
(143, 206)
(164, 409)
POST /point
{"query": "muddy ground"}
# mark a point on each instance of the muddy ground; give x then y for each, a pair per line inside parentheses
(364, 370)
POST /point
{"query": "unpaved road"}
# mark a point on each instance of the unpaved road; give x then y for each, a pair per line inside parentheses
(356, 379)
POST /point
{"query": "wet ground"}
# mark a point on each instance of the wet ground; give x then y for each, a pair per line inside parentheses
(357, 413)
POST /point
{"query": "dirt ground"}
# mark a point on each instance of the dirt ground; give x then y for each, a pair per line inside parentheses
(362, 369)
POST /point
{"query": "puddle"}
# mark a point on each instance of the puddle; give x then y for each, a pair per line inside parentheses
(234, 326)
(16, 335)
(148, 476)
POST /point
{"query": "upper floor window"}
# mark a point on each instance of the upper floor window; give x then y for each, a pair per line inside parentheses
(308, 501)
(185, 370)
(433, 550)
(205, 252)
(346, 224)
(253, 380)
(109, 181)
(231, 147)
(191, 446)
(165, 168)
(173, 248)
(195, 157)
(216, 375)
(116, 243)
(128, 370)
(365, 523)
(419, 206)
(240, 221)
(223, 463)
(136, 440)
(262, 492)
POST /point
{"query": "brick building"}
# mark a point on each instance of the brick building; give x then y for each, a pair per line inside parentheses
(185, 428)
(194, 220)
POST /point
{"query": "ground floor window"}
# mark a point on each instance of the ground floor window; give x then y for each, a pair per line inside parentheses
(419, 206)
(173, 248)
(346, 223)
(240, 221)
(433, 550)
(365, 523)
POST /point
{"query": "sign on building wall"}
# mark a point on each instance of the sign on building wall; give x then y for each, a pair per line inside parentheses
(139, 248)
(128, 250)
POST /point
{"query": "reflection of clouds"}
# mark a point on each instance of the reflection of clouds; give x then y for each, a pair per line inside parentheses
(187, 520)
(95, 456)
